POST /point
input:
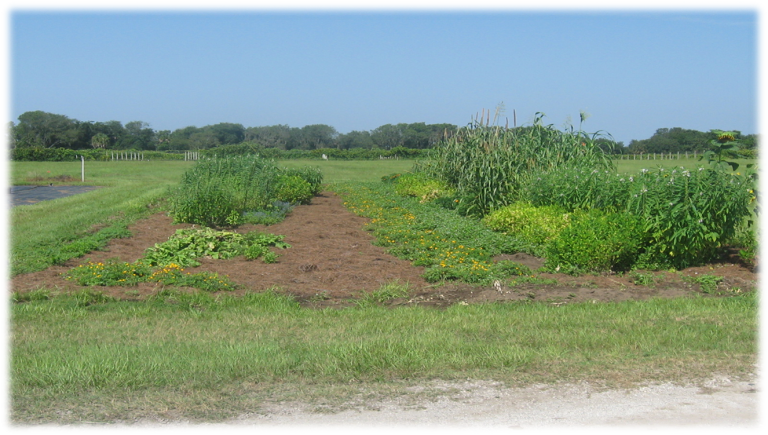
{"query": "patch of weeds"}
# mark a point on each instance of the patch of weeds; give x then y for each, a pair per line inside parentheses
(385, 293)
(86, 297)
(41, 294)
(646, 279)
(272, 214)
(755, 249)
(531, 280)
(707, 282)
(109, 273)
(173, 275)
(320, 296)
(449, 246)
(114, 273)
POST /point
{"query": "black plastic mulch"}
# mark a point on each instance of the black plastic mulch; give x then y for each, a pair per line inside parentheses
(26, 195)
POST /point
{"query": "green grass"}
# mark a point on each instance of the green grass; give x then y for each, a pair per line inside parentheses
(51, 232)
(348, 170)
(67, 350)
(108, 174)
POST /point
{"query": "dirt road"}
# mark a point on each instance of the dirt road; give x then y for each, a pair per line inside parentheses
(719, 405)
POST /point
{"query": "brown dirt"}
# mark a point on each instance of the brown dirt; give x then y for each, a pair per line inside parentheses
(332, 260)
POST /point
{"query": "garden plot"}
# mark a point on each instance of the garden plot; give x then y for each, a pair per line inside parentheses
(332, 261)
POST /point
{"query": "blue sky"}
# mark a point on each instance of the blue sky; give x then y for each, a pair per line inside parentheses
(632, 71)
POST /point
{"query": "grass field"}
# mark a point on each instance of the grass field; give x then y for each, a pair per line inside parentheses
(83, 358)
(208, 359)
(363, 170)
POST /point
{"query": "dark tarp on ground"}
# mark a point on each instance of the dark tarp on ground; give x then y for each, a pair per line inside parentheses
(25, 195)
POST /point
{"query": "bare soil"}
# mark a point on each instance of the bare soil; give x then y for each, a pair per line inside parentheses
(332, 261)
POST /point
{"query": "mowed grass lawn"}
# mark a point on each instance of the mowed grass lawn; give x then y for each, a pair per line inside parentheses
(202, 357)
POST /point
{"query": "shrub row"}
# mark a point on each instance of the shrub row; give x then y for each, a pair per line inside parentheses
(316, 154)
(488, 165)
(230, 191)
(246, 148)
(64, 154)
(595, 220)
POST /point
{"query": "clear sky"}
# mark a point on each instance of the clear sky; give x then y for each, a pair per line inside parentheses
(632, 71)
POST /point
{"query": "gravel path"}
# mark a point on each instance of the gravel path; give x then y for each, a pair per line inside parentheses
(716, 403)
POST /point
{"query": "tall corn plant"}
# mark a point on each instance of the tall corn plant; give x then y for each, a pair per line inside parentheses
(488, 164)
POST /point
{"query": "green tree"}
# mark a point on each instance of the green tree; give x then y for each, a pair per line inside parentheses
(318, 136)
(416, 135)
(11, 137)
(203, 140)
(138, 136)
(45, 130)
(180, 138)
(227, 133)
(163, 140)
(387, 136)
(272, 136)
(355, 139)
(100, 141)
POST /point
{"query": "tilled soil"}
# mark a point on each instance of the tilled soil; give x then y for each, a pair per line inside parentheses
(332, 260)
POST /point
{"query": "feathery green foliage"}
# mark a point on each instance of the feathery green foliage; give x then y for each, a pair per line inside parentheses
(487, 165)
(233, 190)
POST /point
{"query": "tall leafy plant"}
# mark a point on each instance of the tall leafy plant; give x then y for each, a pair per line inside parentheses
(488, 164)
(221, 192)
(687, 215)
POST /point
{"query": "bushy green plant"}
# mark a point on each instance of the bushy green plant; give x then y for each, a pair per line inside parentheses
(221, 192)
(576, 187)
(487, 165)
(422, 186)
(174, 275)
(293, 189)
(107, 273)
(535, 225)
(688, 214)
(755, 248)
(272, 214)
(188, 245)
(312, 175)
(596, 241)
(210, 205)
(707, 282)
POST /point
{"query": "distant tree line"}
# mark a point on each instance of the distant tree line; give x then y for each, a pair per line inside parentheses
(48, 130)
(673, 140)
(40, 129)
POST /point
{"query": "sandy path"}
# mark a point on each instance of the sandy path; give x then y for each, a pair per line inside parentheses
(717, 403)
